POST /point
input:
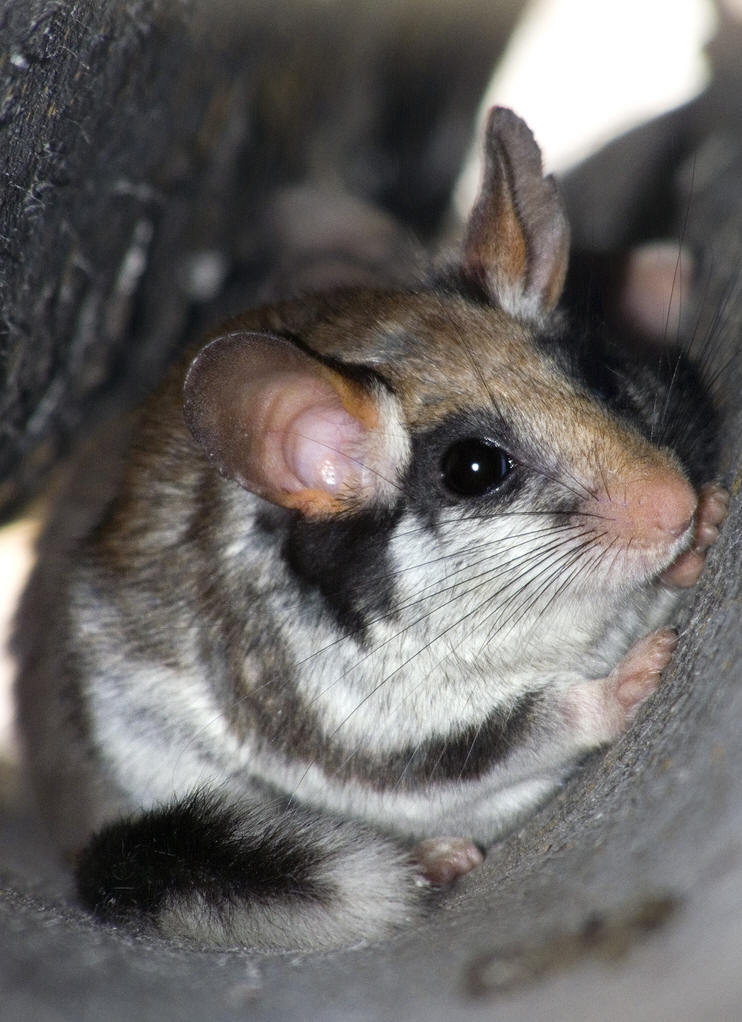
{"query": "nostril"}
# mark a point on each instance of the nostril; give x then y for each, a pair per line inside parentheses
(689, 522)
(682, 528)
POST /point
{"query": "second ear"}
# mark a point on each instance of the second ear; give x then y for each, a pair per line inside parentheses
(517, 240)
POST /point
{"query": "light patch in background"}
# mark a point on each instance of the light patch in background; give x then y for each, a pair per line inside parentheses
(16, 558)
(581, 72)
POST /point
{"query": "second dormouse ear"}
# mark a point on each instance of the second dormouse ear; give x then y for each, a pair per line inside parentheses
(656, 293)
(291, 429)
(517, 239)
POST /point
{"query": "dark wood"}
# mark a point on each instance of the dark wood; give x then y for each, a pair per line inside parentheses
(139, 141)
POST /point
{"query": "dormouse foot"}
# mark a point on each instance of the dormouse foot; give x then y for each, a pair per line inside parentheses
(441, 860)
(601, 710)
(713, 504)
(637, 675)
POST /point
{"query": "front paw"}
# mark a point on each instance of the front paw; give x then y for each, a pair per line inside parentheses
(713, 504)
(637, 674)
(599, 711)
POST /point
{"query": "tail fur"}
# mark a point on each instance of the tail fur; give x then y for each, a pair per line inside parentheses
(265, 875)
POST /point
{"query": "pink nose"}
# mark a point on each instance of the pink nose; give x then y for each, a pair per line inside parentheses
(653, 510)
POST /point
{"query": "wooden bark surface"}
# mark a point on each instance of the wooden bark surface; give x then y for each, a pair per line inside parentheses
(139, 143)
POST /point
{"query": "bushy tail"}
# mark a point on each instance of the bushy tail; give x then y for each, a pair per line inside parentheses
(264, 875)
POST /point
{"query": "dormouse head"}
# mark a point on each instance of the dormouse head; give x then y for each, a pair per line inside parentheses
(448, 394)
(321, 422)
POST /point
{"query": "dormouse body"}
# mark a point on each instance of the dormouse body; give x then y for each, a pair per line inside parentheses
(378, 567)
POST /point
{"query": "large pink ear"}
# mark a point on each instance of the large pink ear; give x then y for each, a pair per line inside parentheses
(517, 239)
(289, 428)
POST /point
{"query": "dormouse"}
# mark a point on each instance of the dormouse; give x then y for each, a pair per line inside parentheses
(380, 564)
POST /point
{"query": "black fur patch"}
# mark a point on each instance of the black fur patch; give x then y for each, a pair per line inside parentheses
(468, 755)
(690, 424)
(225, 853)
(438, 759)
(655, 387)
(457, 281)
(346, 559)
(662, 394)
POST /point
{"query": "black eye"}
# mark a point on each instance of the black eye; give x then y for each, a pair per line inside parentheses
(472, 467)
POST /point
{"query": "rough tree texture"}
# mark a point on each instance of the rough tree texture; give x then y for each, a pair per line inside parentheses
(623, 897)
(139, 141)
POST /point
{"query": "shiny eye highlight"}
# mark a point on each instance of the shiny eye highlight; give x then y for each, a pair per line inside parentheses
(473, 467)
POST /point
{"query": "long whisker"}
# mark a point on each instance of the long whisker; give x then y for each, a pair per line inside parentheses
(418, 597)
(550, 571)
(423, 648)
(482, 580)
